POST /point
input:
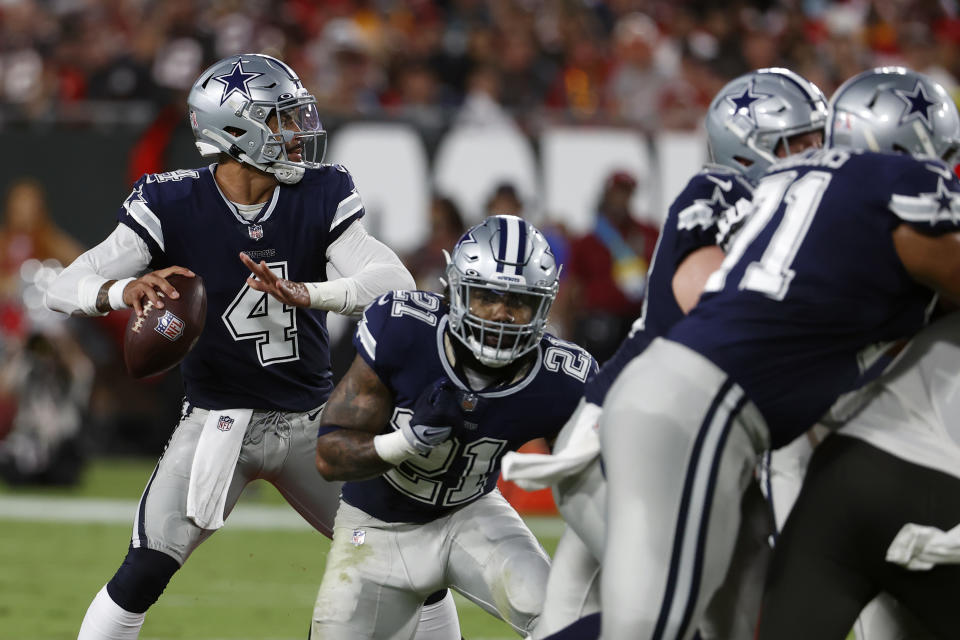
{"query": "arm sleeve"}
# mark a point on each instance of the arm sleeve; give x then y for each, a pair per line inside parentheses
(368, 269)
(121, 255)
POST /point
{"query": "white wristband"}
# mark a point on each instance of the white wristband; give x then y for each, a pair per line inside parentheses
(115, 293)
(328, 296)
(393, 447)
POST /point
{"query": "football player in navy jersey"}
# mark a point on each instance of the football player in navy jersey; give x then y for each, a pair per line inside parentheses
(258, 376)
(879, 490)
(439, 391)
(843, 252)
(751, 122)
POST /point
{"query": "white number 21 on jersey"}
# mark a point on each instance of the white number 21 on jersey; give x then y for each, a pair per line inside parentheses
(258, 316)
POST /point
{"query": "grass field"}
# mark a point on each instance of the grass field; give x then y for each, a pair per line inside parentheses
(58, 547)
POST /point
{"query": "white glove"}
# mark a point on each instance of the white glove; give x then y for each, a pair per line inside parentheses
(919, 547)
(424, 437)
(577, 446)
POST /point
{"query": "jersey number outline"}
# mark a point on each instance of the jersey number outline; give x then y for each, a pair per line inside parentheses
(771, 274)
(258, 316)
(416, 304)
(417, 476)
(567, 357)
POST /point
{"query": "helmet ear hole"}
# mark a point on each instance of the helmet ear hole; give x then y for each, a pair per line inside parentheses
(236, 132)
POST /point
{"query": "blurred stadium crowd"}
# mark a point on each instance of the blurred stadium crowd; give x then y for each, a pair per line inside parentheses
(649, 65)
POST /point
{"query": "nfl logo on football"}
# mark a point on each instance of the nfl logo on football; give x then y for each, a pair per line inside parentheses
(256, 231)
(225, 423)
(169, 326)
(358, 537)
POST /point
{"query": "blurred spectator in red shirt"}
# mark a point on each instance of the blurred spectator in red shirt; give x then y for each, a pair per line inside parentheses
(607, 271)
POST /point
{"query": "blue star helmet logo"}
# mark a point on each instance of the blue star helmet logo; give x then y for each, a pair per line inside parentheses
(743, 104)
(918, 106)
(236, 81)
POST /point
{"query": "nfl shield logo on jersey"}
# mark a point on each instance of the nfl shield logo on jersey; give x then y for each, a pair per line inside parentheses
(359, 535)
(225, 423)
(256, 231)
(169, 326)
(469, 401)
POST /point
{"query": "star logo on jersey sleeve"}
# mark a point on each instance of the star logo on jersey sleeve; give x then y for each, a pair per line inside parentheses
(704, 212)
(942, 205)
(743, 103)
(236, 81)
(135, 196)
(918, 106)
(947, 205)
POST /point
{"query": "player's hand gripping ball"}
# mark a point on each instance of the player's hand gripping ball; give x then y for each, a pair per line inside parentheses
(160, 338)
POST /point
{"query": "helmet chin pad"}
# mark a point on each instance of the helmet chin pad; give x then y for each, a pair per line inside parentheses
(287, 174)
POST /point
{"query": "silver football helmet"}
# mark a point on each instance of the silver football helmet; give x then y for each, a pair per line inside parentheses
(255, 108)
(894, 109)
(753, 114)
(502, 258)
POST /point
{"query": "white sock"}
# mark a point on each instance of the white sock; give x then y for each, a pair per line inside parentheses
(439, 621)
(106, 620)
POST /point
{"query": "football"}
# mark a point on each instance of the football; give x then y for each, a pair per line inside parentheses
(160, 338)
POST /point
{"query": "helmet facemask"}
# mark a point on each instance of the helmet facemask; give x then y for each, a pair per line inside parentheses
(497, 344)
(292, 127)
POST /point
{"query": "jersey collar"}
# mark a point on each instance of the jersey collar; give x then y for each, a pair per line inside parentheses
(261, 217)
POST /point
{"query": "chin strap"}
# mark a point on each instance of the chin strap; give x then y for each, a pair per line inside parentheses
(284, 173)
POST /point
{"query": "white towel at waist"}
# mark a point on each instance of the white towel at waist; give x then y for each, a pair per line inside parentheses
(577, 446)
(213, 463)
(920, 547)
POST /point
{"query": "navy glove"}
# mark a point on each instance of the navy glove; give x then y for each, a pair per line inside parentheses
(436, 415)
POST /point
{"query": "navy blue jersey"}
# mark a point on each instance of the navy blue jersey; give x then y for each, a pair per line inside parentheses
(701, 216)
(812, 285)
(255, 352)
(402, 338)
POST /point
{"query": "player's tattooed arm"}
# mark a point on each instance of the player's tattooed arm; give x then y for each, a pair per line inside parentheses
(290, 293)
(103, 296)
(360, 406)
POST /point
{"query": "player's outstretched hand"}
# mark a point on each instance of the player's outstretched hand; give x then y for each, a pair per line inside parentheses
(152, 286)
(436, 416)
(290, 293)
